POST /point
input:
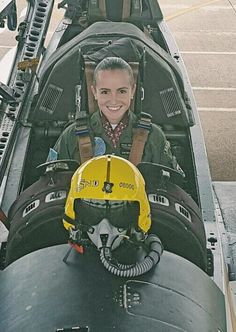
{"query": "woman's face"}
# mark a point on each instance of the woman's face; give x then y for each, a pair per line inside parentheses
(113, 92)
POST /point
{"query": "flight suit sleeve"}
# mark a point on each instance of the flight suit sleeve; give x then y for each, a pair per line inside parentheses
(161, 150)
(158, 148)
(66, 145)
(166, 157)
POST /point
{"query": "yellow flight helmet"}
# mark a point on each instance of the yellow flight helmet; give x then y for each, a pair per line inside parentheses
(108, 178)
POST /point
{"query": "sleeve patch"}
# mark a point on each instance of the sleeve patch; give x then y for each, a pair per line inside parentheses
(167, 147)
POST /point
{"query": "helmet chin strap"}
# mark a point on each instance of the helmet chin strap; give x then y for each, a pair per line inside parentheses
(105, 235)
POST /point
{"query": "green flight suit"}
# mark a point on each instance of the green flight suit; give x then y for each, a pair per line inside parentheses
(156, 150)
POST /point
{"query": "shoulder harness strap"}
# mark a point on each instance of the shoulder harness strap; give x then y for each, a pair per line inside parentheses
(126, 9)
(89, 67)
(82, 128)
(140, 135)
(84, 140)
(4, 220)
(102, 6)
(97, 9)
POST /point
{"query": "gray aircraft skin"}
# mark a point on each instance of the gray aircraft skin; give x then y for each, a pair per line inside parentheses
(193, 286)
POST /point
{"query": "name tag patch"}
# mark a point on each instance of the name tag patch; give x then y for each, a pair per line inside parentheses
(125, 148)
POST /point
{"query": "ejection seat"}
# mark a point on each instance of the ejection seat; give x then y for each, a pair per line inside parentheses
(176, 217)
(89, 12)
(55, 105)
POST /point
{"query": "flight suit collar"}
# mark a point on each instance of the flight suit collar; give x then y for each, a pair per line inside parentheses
(125, 138)
(96, 123)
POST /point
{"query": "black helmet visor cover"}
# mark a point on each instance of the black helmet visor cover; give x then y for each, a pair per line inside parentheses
(121, 214)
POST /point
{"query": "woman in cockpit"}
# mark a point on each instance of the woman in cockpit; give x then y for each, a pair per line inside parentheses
(114, 128)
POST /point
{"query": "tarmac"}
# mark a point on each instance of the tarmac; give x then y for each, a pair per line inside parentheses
(205, 32)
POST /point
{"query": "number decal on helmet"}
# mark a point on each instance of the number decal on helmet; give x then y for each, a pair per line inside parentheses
(126, 185)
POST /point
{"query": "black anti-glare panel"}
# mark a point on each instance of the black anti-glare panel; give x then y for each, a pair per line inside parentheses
(40, 293)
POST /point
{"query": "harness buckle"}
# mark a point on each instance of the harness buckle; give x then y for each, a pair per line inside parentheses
(81, 128)
(145, 121)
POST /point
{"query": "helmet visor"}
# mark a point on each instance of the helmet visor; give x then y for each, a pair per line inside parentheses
(121, 214)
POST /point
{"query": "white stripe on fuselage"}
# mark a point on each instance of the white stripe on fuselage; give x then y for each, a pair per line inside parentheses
(208, 52)
(212, 88)
(216, 109)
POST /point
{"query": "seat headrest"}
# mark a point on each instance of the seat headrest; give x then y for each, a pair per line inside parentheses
(119, 10)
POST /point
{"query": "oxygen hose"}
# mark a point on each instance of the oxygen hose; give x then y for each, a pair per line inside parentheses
(121, 270)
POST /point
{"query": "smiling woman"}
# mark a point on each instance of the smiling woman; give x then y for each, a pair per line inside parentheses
(114, 124)
(113, 88)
